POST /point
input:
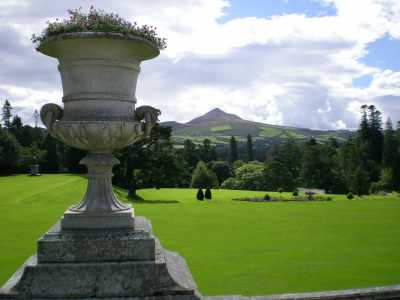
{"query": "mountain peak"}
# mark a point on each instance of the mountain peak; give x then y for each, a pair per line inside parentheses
(215, 114)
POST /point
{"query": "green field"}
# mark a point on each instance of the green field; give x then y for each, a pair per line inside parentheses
(231, 247)
(221, 128)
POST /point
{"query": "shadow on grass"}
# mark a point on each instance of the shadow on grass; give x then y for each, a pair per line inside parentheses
(122, 193)
(138, 199)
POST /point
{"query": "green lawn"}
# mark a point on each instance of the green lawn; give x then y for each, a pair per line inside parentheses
(231, 247)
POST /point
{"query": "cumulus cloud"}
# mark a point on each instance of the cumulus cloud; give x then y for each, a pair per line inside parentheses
(287, 69)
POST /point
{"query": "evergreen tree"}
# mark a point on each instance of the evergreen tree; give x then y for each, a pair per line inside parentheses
(375, 123)
(316, 168)
(207, 151)
(165, 168)
(364, 130)
(51, 163)
(290, 156)
(36, 117)
(277, 176)
(233, 155)
(190, 154)
(396, 168)
(249, 148)
(208, 194)
(390, 146)
(6, 114)
(15, 128)
(200, 195)
(359, 184)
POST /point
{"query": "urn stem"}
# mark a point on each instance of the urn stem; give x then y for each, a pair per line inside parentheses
(99, 195)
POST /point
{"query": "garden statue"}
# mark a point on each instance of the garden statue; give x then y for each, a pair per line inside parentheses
(99, 249)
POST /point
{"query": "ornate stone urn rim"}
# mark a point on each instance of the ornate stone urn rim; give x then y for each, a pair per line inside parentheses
(152, 49)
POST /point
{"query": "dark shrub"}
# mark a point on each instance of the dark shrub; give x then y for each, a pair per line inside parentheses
(267, 197)
(280, 190)
(200, 195)
(207, 194)
(350, 196)
(329, 198)
(295, 193)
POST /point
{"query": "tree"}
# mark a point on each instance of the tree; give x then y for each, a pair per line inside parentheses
(190, 154)
(9, 152)
(231, 184)
(202, 177)
(200, 195)
(277, 176)
(249, 148)
(36, 118)
(6, 114)
(51, 163)
(390, 146)
(30, 155)
(396, 170)
(250, 176)
(15, 128)
(290, 156)
(359, 184)
(375, 123)
(207, 151)
(164, 168)
(233, 154)
(222, 169)
(208, 194)
(73, 157)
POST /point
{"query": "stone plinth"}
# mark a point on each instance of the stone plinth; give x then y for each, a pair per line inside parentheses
(82, 264)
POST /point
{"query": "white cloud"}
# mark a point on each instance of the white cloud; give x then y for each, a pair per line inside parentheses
(289, 69)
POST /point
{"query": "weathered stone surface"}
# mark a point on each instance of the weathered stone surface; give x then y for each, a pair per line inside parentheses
(98, 245)
(99, 72)
(62, 273)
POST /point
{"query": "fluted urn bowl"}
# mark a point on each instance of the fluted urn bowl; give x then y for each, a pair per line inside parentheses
(98, 136)
(99, 73)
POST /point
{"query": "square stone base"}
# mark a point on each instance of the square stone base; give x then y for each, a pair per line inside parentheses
(108, 264)
(77, 220)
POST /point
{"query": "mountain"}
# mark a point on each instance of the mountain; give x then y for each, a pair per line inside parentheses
(219, 126)
(215, 115)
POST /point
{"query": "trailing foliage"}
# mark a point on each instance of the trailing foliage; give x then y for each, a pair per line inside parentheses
(97, 20)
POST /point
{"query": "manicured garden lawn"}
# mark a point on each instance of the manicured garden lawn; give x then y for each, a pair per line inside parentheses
(231, 247)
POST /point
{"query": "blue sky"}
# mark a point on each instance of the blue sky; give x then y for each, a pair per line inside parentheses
(306, 63)
(269, 8)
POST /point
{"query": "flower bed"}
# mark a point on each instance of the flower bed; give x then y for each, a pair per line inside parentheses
(97, 20)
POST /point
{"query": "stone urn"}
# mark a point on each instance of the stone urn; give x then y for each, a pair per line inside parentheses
(99, 72)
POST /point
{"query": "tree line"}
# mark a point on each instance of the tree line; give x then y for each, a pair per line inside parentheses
(366, 163)
(22, 145)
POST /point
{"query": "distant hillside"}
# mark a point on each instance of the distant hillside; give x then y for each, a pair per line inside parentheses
(219, 126)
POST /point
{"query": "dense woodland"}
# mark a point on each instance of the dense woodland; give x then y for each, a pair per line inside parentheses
(369, 162)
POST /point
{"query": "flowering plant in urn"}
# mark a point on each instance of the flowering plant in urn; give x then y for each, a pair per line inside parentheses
(99, 59)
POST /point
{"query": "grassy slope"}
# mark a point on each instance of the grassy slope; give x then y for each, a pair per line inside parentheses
(220, 131)
(231, 247)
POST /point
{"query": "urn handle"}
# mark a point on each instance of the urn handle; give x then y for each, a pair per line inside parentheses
(49, 114)
(150, 116)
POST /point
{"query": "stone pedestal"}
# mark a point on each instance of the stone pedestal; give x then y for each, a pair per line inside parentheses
(112, 264)
(99, 208)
